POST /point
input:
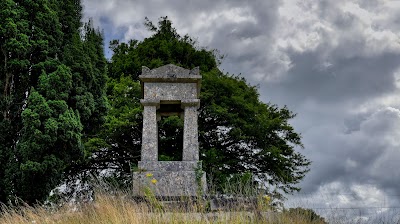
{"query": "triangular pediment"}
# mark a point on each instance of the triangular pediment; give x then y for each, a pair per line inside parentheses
(170, 72)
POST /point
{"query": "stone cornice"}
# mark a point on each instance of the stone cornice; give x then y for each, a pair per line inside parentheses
(170, 73)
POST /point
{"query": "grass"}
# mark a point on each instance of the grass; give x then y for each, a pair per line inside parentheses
(111, 205)
(116, 208)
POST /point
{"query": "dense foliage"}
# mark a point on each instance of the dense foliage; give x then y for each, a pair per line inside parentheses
(52, 80)
(62, 117)
(238, 133)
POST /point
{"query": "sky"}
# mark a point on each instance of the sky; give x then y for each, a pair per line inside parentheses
(333, 63)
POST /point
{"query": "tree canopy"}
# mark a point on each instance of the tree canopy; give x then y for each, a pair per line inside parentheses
(66, 111)
(237, 132)
(52, 78)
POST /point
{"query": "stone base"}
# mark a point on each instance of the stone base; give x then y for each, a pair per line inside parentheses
(170, 179)
(169, 185)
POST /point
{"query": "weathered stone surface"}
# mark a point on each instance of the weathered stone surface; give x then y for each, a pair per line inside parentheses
(170, 73)
(169, 183)
(166, 88)
(190, 131)
(170, 91)
(169, 165)
(150, 131)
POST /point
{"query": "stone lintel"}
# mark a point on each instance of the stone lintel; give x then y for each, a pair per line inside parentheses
(170, 102)
(169, 165)
(170, 74)
(150, 102)
(190, 103)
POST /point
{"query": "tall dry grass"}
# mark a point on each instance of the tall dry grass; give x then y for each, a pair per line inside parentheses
(118, 209)
(113, 205)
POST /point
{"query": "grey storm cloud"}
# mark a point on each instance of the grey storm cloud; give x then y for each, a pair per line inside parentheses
(351, 79)
(236, 28)
(334, 63)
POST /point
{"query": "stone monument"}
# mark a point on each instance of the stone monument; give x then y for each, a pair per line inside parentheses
(170, 90)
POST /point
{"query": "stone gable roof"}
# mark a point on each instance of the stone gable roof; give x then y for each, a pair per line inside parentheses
(170, 73)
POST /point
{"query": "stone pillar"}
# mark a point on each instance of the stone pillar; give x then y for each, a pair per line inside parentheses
(190, 130)
(150, 130)
(170, 180)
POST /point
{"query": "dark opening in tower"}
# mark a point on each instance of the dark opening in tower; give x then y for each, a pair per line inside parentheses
(170, 132)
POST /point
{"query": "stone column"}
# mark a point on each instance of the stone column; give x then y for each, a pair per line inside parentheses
(150, 130)
(190, 130)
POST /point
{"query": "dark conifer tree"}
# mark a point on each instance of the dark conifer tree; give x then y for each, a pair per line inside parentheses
(52, 78)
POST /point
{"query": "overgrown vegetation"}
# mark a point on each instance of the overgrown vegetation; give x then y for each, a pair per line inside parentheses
(67, 113)
(115, 209)
(116, 206)
(237, 132)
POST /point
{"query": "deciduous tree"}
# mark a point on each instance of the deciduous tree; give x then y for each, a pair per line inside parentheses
(238, 132)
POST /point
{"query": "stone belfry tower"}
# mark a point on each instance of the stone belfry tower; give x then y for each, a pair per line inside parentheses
(170, 90)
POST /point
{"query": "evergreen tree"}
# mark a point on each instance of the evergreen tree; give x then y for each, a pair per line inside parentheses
(85, 56)
(51, 136)
(13, 45)
(29, 34)
(52, 75)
